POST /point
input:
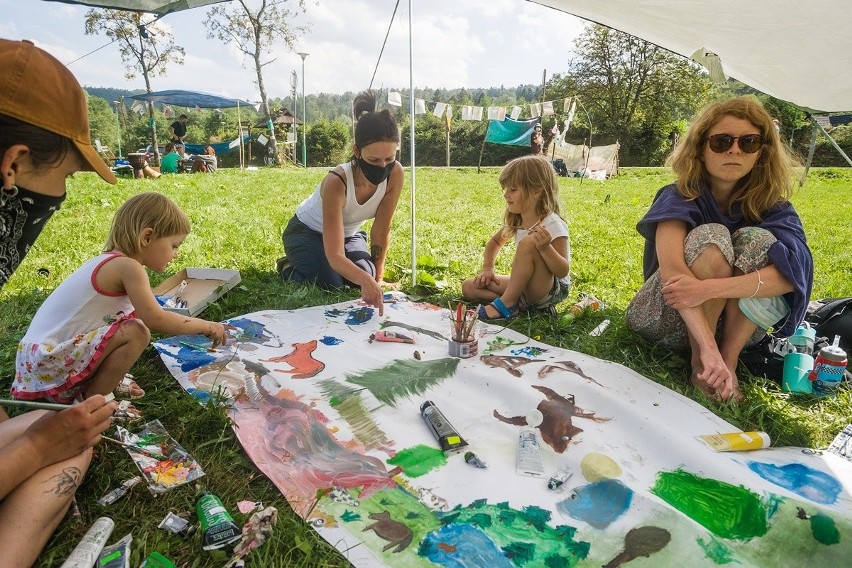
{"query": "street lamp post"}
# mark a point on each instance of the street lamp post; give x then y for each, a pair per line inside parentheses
(117, 125)
(303, 55)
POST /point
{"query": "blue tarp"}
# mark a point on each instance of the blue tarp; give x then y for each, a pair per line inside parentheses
(219, 148)
(511, 132)
(191, 99)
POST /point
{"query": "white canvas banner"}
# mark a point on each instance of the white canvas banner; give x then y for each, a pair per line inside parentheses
(394, 98)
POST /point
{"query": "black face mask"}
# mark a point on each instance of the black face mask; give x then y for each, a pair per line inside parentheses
(375, 174)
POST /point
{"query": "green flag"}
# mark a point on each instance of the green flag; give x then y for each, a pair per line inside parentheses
(511, 132)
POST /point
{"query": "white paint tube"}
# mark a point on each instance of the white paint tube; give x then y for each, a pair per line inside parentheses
(90, 546)
(600, 328)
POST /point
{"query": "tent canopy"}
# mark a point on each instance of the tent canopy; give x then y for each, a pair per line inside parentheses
(792, 50)
(191, 99)
(161, 7)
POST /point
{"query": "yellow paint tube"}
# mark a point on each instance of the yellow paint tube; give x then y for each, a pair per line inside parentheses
(736, 441)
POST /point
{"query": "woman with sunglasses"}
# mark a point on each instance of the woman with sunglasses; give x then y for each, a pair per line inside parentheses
(726, 259)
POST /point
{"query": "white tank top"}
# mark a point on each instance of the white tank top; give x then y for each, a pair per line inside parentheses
(309, 211)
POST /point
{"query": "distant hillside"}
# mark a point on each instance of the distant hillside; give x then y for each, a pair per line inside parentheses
(110, 94)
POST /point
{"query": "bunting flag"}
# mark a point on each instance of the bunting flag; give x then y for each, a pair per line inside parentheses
(439, 110)
(547, 108)
(496, 113)
(566, 104)
(471, 112)
(535, 110)
(516, 112)
(510, 132)
(571, 111)
(419, 106)
(394, 98)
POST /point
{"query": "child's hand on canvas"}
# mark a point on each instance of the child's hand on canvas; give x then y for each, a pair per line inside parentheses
(216, 332)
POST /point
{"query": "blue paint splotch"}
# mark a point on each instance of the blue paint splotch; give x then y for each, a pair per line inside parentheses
(598, 504)
(528, 351)
(462, 546)
(329, 340)
(355, 316)
(186, 357)
(248, 331)
(802, 480)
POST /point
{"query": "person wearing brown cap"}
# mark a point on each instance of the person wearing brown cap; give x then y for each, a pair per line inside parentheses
(44, 138)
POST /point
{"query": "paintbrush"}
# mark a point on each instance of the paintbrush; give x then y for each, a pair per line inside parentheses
(197, 347)
(34, 404)
(135, 448)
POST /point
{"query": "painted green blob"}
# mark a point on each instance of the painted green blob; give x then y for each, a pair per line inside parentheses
(726, 510)
(716, 551)
(824, 530)
(349, 516)
(419, 460)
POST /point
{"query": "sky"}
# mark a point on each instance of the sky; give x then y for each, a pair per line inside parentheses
(457, 43)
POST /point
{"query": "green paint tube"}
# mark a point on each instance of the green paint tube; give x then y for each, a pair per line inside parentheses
(217, 527)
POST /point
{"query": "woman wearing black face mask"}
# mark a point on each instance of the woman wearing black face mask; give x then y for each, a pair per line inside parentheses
(323, 241)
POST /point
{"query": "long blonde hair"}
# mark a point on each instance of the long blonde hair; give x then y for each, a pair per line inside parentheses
(768, 183)
(533, 175)
(142, 211)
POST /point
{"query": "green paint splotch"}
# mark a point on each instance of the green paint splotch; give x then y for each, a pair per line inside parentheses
(726, 510)
(717, 551)
(419, 460)
(824, 529)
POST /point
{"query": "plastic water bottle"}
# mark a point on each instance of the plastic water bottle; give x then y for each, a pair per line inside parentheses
(803, 339)
(829, 368)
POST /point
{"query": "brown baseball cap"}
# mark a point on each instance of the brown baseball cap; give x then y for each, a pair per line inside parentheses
(38, 89)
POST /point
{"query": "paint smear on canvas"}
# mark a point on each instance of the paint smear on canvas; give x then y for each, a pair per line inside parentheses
(419, 460)
(726, 510)
(802, 480)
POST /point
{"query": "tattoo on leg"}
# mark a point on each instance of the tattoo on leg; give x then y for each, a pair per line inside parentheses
(375, 252)
(65, 483)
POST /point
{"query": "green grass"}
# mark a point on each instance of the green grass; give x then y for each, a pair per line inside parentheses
(237, 223)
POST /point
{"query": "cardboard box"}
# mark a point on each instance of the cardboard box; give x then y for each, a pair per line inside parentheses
(204, 286)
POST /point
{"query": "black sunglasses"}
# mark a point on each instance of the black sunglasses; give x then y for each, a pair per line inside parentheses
(750, 143)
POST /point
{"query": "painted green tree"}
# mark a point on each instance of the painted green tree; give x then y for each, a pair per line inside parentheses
(404, 378)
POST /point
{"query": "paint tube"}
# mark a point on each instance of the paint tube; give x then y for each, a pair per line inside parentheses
(449, 440)
(156, 560)
(116, 555)
(119, 491)
(473, 459)
(600, 328)
(529, 455)
(392, 337)
(217, 527)
(559, 477)
(736, 441)
(176, 525)
(90, 546)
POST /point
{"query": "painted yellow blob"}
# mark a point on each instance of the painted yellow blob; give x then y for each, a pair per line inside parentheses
(596, 467)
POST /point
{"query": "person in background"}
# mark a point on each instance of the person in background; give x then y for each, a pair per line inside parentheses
(206, 162)
(44, 138)
(540, 269)
(537, 141)
(178, 129)
(726, 258)
(170, 163)
(323, 241)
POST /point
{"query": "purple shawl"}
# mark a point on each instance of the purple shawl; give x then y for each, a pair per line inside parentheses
(790, 254)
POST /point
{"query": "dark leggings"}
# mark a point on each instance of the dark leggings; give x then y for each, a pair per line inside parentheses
(308, 263)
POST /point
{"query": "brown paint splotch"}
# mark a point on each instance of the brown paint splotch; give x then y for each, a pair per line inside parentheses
(557, 428)
(507, 362)
(393, 531)
(641, 541)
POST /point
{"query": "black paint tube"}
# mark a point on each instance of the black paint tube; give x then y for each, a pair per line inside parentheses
(449, 440)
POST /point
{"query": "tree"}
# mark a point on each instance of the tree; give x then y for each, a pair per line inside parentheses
(145, 48)
(255, 32)
(635, 92)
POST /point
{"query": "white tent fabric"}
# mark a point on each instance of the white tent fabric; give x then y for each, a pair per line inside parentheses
(792, 50)
(152, 6)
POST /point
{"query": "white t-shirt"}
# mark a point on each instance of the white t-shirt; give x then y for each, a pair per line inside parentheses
(556, 226)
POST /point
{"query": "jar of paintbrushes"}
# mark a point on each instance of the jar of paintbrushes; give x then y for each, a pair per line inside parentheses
(463, 342)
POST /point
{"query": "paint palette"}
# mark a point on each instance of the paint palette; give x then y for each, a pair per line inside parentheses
(162, 461)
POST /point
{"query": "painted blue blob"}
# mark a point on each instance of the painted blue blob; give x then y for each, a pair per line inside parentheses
(599, 503)
(470, 547)
(802, 480)
(359, 316)
(200, 395)
(190, 359)
(329, 340)
(249, 330)
(528, 351)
